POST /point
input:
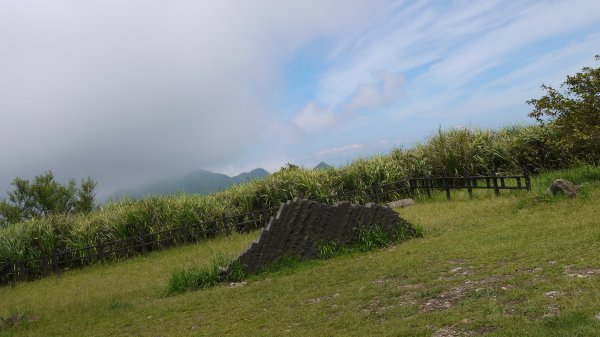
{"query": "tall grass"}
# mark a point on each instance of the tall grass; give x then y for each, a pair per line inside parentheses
(197, 276)
(451, 152)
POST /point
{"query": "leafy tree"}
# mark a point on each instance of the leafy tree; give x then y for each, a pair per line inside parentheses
(44, 196)
(574, 112)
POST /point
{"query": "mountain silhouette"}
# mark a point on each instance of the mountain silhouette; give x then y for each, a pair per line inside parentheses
(322, 166)
(197, 182)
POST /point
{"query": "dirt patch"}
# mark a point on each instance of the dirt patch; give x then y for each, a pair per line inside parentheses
(484, 330)
(551, 311)
(377, 307)
(458, 267)
(14, 320)
(459, 271)
(530, 270)
(445, 300)
(553, 293)
(237, 284)
(572, 271)
(319, 299)
(449, 332)
(457, 261)
(450, 298)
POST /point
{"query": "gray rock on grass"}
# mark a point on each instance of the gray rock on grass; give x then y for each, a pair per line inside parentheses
(562, 186)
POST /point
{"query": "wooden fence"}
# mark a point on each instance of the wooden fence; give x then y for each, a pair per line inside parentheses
(24, 270)
(426, 185)
(58, 261)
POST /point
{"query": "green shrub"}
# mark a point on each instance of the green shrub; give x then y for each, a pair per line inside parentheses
(573, 113)
(44, 196)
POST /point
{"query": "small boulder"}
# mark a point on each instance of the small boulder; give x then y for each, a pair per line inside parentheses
(401, 203)
(564, 186)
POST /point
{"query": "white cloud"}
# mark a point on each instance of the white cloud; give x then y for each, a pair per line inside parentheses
(339, 151)
(451, 43)
(314, 118)
(371, 96)
(131, 90)
(461, 61)
(384, 89)
(532, 24)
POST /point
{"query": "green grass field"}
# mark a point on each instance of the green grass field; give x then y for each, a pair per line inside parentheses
(518, 265)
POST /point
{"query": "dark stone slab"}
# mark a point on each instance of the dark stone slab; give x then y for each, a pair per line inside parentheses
(301, 225)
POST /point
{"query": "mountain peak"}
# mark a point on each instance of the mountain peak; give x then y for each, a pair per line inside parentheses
(322, 166)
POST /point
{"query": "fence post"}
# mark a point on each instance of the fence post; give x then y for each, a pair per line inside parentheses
(468, 183)
(100, 250)
(55, 262)
(411, 187)
(19, 270)
(143, 243)
(447, 187)
(495, 182)
(427, 183)
(45, 265)
(183, 234)
(225, 227)
(527, 179)
(13, 265)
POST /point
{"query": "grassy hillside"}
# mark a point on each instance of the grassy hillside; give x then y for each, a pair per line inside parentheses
(518, 265)
(451, 152)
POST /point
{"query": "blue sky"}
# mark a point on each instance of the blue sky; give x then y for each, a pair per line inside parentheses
(420, 65)
(133, 91)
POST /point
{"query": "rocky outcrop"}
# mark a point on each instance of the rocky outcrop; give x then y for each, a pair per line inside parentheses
(300, 226)
(562, 186)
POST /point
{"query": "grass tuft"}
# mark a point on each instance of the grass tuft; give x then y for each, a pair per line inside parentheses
(199, 277)
(327, 250)
(372, 237)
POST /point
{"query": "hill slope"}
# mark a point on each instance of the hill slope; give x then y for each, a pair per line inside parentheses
(517, 265)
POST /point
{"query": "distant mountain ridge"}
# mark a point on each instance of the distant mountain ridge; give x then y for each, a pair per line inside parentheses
(198, 182)
(322, 166)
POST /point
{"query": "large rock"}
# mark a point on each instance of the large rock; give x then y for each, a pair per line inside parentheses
(562, 186)
(301, 225)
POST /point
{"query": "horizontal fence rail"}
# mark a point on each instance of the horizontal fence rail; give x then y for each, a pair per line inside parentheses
(58, 261)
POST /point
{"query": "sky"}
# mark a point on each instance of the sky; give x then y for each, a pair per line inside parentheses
(131, 91)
